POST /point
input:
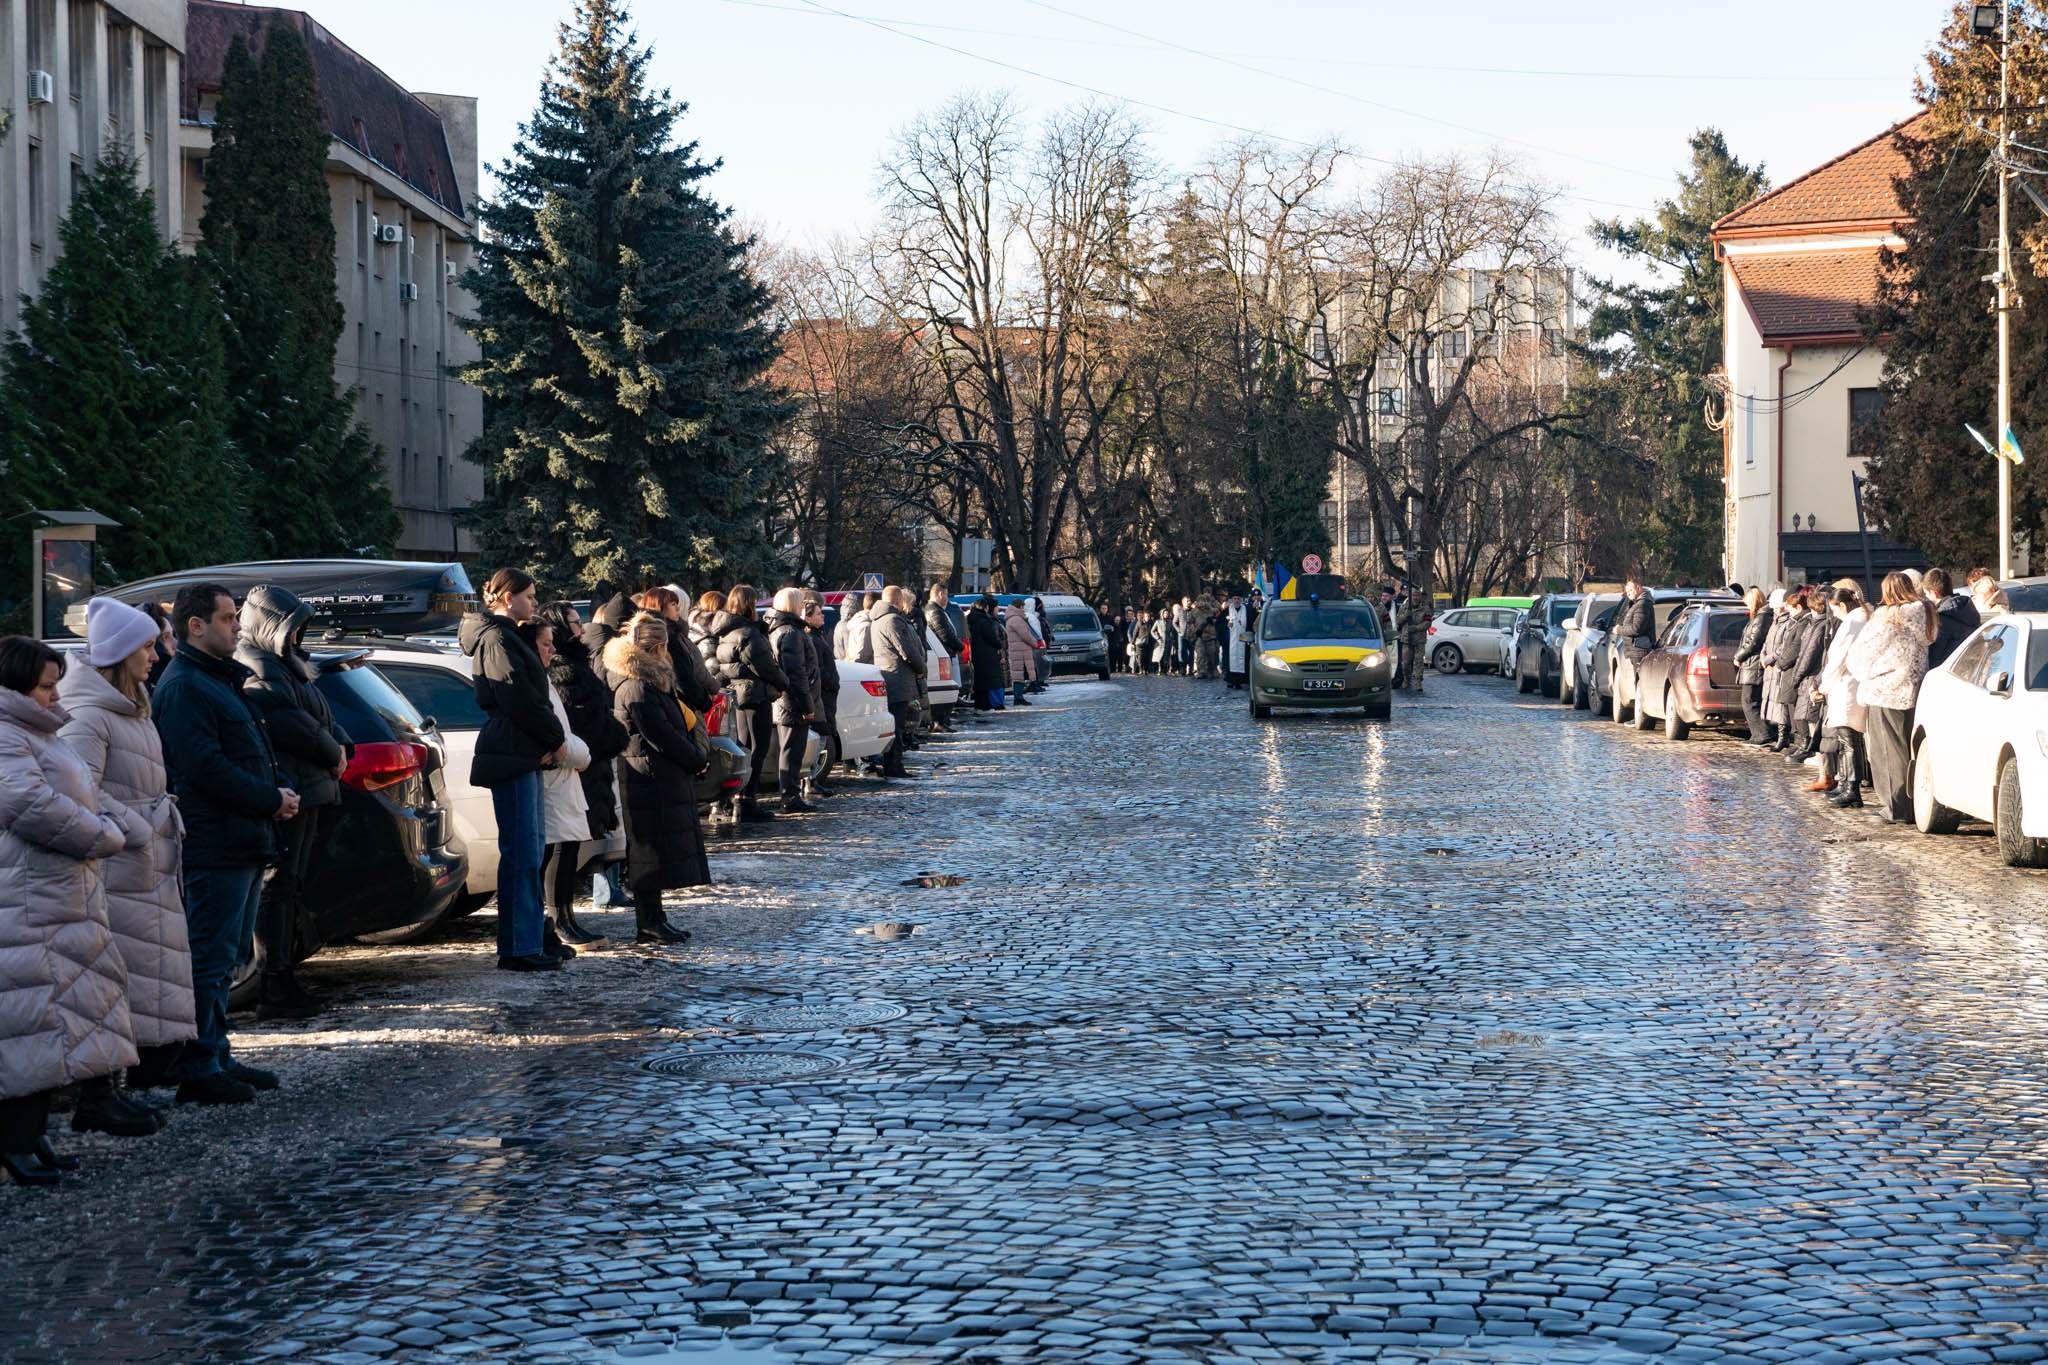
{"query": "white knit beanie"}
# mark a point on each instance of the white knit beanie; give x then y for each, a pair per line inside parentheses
(114, 630)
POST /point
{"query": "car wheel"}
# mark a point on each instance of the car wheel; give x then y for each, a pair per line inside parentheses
(1616, 712)
(2016, 848)
(1380, 711)
(1929, 815)
(1448, 659)
(1643, 719)
(1674, 728)
(1102, 675)
(1525, 684)
(1261, 712)
(1546, 686)
(1581, 701)
(468, 903)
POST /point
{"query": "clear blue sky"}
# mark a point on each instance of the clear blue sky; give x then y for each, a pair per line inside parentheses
(1598, 98)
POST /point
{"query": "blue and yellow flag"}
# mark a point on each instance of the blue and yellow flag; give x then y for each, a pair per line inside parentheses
(1283, 581)
(2009, 448)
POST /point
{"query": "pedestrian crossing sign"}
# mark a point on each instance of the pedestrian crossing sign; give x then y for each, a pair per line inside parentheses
(870, 582)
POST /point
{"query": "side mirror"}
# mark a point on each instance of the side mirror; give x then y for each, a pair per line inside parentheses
(2002, 684)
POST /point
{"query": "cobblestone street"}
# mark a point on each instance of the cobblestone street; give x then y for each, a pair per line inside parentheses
(1494, 1033)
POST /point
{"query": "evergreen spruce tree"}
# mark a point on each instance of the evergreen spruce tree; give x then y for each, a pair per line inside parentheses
(1288, 443)
(112, 393)
(267, 239)
(624, 346)
(1931, 487)
(1652, 347)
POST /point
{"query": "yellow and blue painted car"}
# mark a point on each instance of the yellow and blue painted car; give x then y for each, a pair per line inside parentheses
(1322, 656)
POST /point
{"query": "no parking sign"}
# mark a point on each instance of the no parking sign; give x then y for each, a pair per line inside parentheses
(1312, 564)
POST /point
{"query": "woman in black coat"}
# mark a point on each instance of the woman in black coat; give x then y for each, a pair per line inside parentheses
(986, 644)
(656, 772)
(1749, 659)
(588, 700)
(746, 661)
(828, 675)
(1805, 671)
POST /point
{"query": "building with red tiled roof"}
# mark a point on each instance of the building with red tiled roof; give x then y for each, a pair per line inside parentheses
(1801, 264)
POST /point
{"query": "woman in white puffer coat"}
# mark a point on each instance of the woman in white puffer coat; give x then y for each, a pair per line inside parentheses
(63, 989)
(111, 730)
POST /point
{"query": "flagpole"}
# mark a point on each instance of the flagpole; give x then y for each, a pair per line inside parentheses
(2004, 307)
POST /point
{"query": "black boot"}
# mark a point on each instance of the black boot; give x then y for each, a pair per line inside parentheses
(754, 813)
(572, 933)
(52, 1158)
(651, 922)
(28, 1169)
(551, 945)
(283, 998)
(100, 1110)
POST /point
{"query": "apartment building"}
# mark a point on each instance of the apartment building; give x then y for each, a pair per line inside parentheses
(78, 77)
(402, 174)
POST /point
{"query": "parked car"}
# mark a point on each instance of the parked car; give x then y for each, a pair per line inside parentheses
(1509, 634)
(1539, 651)
(1614, 680)
(1690, 678)
(1584, 635)
(2026, 594)
(1078, 643)
(1978, 738)
(865, 726)
(1467, 637)
(437, 681)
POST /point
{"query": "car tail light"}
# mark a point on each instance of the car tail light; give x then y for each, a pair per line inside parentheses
(732, 784)
(1432, 630)
(876, 689)
(375, 766)
(714, 717)
(945, 670)
(1697, 664)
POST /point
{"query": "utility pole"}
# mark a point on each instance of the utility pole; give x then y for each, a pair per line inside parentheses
(2005, 296)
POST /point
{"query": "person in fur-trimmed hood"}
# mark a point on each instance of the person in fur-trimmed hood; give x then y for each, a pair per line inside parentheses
(657, 771)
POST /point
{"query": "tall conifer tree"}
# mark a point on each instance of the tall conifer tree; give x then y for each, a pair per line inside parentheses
(1930, 486)
(112, 397)
(624, 341)
(267, 238)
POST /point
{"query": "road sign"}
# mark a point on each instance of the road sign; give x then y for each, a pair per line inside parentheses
(977, 552)
(1311, 563)
(870, 582)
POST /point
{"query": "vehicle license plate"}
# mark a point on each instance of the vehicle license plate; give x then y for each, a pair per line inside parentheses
(1322, 684)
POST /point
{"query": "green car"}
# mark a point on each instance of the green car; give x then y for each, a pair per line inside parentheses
(1321, 655)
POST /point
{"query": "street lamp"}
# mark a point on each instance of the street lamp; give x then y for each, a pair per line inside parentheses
(1984, 20)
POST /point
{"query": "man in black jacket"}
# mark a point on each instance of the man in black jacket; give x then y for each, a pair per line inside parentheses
(940, 623)
(1955, 615)
(797, 707)
(312, 752)
(985, 637)
(225, 775)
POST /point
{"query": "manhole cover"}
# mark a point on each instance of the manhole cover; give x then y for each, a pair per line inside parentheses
(931, 879)
(740, 1068)
(888, 931)
(811, 1018)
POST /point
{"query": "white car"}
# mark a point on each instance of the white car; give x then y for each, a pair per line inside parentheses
(1467, 637)
(1510, 633)
(865, 725)
(1584, 634)
(941, 673)
(1980, 738)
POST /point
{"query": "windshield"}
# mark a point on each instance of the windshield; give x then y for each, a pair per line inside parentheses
(1561, 611)
(1330, 621)
(1726, 627)
(1068, 620)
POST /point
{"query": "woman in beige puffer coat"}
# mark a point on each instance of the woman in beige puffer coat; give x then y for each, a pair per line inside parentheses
(63, 988)
(111, 730)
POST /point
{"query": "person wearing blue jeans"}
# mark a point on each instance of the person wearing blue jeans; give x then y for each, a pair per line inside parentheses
(521, 735)
(522, 848)
(222, 769)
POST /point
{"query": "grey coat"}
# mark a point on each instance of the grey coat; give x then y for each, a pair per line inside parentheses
(898, 651)
(63, 988)
(145, 908)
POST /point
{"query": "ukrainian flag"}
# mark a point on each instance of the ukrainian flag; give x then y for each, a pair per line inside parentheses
(1283, 582)
(2009, 448)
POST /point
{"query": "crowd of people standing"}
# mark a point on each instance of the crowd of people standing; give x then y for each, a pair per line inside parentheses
(1830, 679)
(1193, 638)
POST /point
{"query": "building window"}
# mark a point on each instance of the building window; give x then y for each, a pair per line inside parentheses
(1553, 341)
(38, 201)
(42, 33)
(83, 20)
(1454, 345)
(1749, 429)
(1358, 522)
(1866, 408)
(1390, 403)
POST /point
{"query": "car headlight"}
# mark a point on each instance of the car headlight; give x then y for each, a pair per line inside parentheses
(1371, 659)
(1276, 663)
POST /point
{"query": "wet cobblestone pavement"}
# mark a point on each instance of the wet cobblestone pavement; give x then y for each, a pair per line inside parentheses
(1492, 1034)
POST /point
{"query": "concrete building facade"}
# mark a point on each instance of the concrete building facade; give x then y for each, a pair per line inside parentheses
(78, 77)
(1800, 264)
(402, 174)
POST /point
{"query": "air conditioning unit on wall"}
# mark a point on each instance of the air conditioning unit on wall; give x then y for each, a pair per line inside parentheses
(390, 234)
(409, 292)
(42, 87)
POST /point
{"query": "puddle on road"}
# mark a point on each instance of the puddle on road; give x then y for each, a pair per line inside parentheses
(931, 879)
(888, 931)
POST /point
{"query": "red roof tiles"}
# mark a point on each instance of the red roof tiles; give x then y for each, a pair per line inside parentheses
(1855, 187)
(1807, 293)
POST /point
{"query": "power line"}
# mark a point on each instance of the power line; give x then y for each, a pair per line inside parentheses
(886, 26)
(1340, 94)
(1801, 77)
